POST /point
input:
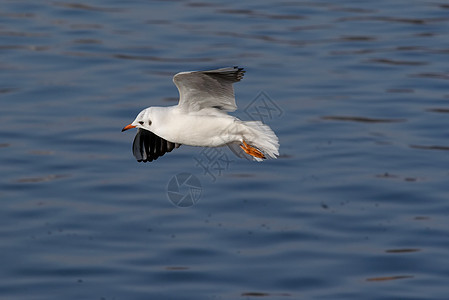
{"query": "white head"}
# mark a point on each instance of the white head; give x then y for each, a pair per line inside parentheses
(143, 120)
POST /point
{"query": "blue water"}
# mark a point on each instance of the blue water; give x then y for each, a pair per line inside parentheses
(356, 206)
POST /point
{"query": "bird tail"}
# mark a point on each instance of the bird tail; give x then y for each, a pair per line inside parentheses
(259, 142)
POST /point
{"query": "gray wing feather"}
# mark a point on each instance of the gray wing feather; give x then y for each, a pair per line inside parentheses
(203, 89)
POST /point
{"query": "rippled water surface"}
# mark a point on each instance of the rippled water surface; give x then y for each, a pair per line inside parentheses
(356, 206)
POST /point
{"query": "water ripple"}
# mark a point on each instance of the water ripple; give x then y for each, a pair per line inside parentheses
(432, 147)
(398, 62)
(388, 278)
(362, 119)
(87, 7)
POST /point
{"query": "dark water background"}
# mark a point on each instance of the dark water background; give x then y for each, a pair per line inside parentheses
(356, 207)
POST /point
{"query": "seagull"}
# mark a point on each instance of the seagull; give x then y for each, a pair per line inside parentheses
(201, 119)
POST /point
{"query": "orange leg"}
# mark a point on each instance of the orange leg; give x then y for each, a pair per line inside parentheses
(251, 150)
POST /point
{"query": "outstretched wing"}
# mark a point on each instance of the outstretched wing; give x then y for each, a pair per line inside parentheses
(213, 88)
(148, 147)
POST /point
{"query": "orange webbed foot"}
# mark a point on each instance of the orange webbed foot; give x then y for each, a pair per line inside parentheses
(252, 151)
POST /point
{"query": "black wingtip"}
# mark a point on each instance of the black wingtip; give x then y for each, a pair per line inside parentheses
(233, 74)
(148, 147)
(240, 73)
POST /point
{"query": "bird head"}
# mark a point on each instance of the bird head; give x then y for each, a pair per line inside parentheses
(143, 120)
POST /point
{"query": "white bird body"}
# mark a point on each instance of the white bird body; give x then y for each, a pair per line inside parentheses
(213, 135)
(201, 119)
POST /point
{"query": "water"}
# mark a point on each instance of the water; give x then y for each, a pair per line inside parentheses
(356, 207)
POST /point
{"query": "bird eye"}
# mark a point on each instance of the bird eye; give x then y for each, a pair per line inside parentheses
(149, 122)
(141, 122)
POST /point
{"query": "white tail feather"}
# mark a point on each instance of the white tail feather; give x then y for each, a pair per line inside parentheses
(263, 138)
(260, 136)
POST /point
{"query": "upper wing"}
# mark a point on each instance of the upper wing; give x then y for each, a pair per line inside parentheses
(148, 147)
(201, 89)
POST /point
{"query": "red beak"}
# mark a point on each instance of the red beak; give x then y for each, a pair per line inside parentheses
(128, 127)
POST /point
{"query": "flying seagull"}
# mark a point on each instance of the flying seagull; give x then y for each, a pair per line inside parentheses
(201, 119)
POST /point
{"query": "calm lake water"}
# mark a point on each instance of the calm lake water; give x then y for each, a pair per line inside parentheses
(356, 207)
